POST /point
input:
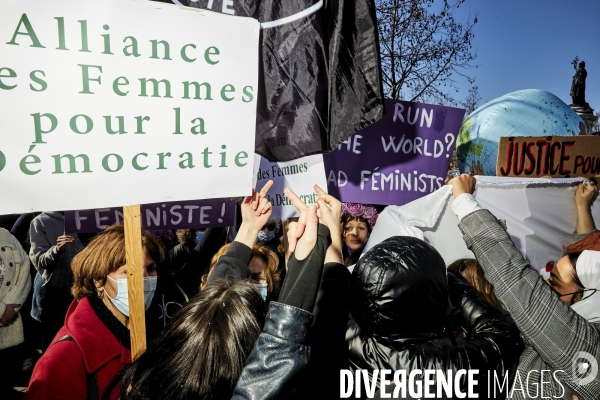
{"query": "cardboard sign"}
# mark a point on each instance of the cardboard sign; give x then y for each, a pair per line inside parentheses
(193, 214)
(402, 157)
(123, 102)
(299, 175)
(549, 156)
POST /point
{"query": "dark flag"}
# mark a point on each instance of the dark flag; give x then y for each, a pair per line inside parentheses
(320, 72)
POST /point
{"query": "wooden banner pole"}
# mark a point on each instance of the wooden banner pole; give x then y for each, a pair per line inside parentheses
(135, 282)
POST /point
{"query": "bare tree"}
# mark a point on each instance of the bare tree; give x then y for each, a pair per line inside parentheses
(423, 48)
(472, 100)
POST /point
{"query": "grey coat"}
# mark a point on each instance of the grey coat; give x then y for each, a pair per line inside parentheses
(52, 265)
(555, 335)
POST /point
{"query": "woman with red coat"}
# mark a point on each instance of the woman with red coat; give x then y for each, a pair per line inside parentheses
(94, 346)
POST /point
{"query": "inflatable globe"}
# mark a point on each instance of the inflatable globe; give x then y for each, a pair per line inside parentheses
(530, 112)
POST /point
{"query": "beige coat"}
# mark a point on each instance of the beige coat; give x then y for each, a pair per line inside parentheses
(14, 288)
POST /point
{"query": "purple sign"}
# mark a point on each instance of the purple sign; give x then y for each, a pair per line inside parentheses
(402, 157)
(192, 214)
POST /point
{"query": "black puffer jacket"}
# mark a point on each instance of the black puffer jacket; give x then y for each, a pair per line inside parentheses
(399, 298)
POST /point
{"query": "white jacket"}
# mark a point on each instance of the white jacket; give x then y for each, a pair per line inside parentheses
(14, 288)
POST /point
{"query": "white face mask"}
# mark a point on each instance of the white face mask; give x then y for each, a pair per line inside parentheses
(121, 300)
(262, 288)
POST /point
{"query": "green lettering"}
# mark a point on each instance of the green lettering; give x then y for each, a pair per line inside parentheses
(107, 167)
(38, 80)
(196, 129)
(206, 153)
(227, 89)
(247, 92)
(135, 163)
(117, 83)
(241, 155)
(37, 124)
(61, 33)
(133, 47)
(72, 166)
(106, 38)
(84, 38)
(85, 74)
(139, 121)
(23, 164)
(161, 160)
(11, 74)
(109, 128)
(88, 121)
(185, 163)
(196, 85)
(184, 55)
(166, 49)
(155, 92)
(28, 32)
(211, 51)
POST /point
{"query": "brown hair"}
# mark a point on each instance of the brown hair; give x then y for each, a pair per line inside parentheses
(268, 256)
(351, 259)
(185, 235)
(104, 254)
(470, 269)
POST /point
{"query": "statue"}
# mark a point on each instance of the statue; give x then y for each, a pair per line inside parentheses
(578, 85)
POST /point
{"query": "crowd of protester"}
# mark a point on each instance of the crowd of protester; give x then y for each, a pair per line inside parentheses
(271, 309)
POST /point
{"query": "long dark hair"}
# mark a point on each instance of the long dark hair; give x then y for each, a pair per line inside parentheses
(201, 354)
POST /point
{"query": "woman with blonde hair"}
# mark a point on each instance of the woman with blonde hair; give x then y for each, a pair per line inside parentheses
(93, 346)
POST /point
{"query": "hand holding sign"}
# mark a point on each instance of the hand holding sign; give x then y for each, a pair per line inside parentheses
(464, 183)
(585, 194)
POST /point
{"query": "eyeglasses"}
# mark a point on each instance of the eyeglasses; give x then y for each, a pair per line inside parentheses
(579, 291)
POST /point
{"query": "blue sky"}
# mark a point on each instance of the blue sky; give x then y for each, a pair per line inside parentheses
(529, 44)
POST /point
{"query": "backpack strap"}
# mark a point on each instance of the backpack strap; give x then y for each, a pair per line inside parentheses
(91, 380)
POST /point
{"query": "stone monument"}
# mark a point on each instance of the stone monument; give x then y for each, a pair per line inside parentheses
(580, 106)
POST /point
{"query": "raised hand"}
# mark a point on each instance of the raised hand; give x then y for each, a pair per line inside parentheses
(464, 183)
(296, 229)
(585, 194)
(584, 197)
(256, 210)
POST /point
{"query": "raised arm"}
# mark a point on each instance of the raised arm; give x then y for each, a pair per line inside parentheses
(584, 197)
(256, 210)
(556, 332)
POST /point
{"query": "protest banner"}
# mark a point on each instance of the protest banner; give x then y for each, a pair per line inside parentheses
(402, 157)
(191, 214)
(318, 85)
(540, 217)
(549, 156)
(99, 109)
(299, 175)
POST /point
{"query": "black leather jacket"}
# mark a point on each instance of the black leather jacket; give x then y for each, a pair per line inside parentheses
(399, 297)
(278, 355)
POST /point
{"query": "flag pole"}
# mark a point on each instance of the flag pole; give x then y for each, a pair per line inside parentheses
(135, 283)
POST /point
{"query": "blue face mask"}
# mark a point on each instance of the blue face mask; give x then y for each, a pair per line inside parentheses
(199, 236)
(266, 236)
(262, 288)
(121, 300)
